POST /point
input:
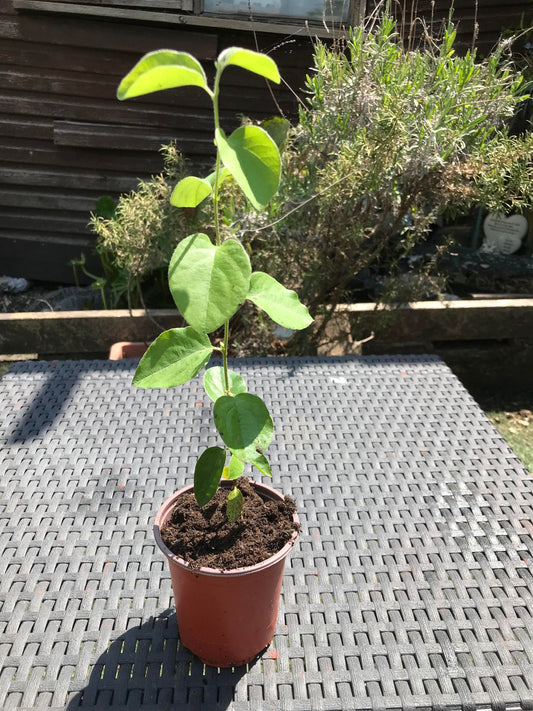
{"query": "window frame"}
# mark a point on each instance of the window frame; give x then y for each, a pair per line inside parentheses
(122, 10)
(355, 14)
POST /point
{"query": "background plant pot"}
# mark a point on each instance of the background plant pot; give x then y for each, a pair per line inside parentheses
(128, 349)
(225, 617)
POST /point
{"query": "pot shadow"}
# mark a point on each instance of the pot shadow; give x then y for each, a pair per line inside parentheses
(147, 667)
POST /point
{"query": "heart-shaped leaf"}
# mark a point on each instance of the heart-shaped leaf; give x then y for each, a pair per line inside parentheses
(207, 474)
(281, 304)
(252, 157)
(162, 69)
(252, 61)
(173, 358)
(215, 383)
(234, 505)
(208, 282)
(190, 192)
(244, 424)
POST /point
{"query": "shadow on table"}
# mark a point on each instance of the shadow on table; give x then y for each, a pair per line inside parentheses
(55, 392)
(44, 408)
(147, 667)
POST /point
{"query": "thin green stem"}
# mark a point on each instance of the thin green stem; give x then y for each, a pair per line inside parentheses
(217, 220)
(215, 201)
(217, 168)
(225, 356)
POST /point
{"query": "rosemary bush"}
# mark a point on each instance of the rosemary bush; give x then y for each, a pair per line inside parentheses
(389, 140)
(137, 242)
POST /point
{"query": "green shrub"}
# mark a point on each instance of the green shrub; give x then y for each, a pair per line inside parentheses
(389, 140)
(137, 242)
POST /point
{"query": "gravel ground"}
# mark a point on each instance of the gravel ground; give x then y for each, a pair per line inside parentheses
(51, 297)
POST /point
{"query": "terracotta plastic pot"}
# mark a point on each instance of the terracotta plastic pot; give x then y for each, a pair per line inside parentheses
(225, 617)
(128, 349)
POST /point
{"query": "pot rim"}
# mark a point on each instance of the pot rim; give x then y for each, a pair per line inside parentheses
(269, 491)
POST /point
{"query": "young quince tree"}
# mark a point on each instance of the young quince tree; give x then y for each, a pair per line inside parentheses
(209, 282)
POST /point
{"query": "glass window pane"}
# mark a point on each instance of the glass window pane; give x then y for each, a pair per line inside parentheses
(316, 10)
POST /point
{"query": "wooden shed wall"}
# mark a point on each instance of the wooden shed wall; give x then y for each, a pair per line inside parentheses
(65, 140)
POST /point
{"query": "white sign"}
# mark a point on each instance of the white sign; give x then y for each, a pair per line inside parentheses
(504, 233)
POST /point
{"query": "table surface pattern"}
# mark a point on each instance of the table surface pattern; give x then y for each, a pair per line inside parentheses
(410, 587)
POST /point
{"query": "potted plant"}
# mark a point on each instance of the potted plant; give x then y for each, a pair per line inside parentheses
(226, 610)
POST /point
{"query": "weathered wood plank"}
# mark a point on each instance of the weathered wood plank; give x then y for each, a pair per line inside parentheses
(58, 221)
(50, 177)
(429, 321)
(19, 127)
(254, 98)
(40, 153)
(182, 5)
(39, 56)
(131, 113)
(80, 331)
(82, 31)
(112, 64)
(112, 138)
(64, 199)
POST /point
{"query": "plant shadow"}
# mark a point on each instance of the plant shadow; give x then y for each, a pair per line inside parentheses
(148, 668)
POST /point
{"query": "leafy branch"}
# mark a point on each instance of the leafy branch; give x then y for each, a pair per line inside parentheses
(209, 282)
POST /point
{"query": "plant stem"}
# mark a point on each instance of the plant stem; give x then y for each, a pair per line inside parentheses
(224, 348)
(217, 168)
(225, 356)
(215, 201)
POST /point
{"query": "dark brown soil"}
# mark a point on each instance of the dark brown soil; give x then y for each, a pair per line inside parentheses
(205, 538)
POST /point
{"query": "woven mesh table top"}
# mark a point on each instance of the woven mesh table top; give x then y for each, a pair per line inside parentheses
(410, 587)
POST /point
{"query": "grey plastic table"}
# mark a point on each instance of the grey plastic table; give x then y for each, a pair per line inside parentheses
(410, 587)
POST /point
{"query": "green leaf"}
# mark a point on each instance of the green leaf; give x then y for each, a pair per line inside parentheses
(235, 468)
(255, 62)
(208, 282)
(215, 383)
(256, 458)
(281, 304)
(222, 175)
(207, 474)
(162, 69)
(244, 424)
(261, 462)
(173, 358)
(190, 192)
(235, 505)
(253, 159)
(278, 129)
(105, 207)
